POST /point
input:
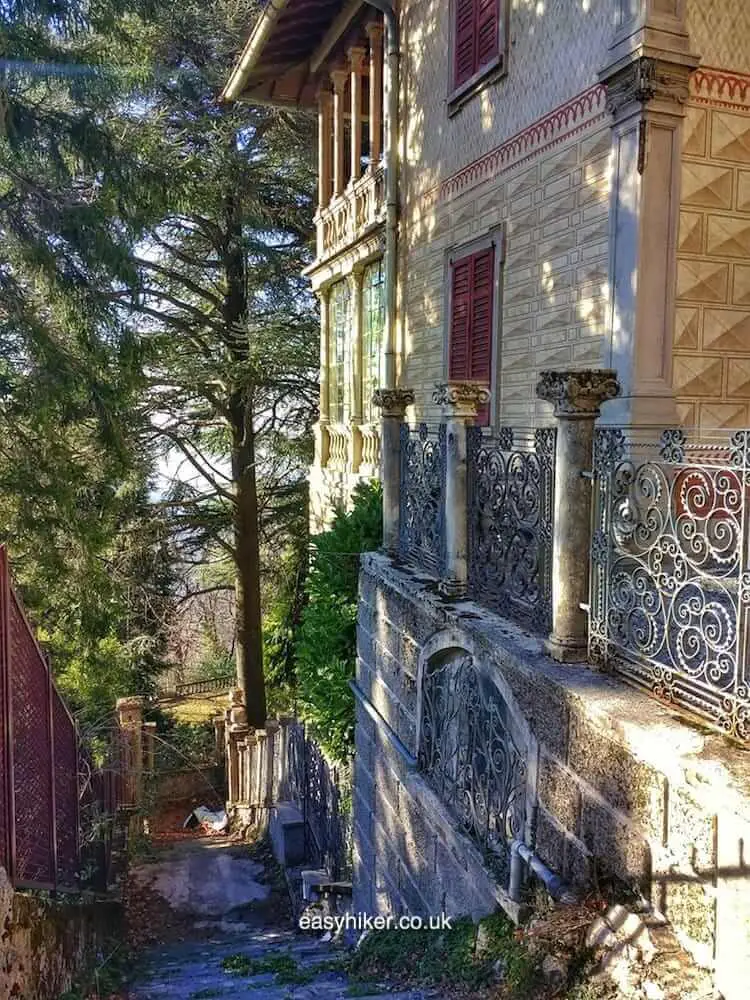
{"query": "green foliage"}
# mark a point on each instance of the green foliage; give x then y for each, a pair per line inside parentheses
(281, 964)
(449, 958)
(326, 642)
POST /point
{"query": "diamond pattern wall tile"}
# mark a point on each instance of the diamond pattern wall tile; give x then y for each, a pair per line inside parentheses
(739, 378)
(730, 137)
(727, 330)
(728, 236)
(694, 132)
(743, 190)
(741, 285)
(687, 329)
(723, 415)
(707, 185)
(697, 375)
(690, 239)
(704, 281)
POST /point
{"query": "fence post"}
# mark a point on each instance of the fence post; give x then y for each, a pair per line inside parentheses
(577, 397)
(219, 736)
(130, 722)
(392, 404)
(235, 729)
(460, 402)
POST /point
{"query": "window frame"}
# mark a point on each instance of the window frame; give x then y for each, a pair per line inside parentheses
(453, 255)
(489, 72)
(369, 415)
(333, 343)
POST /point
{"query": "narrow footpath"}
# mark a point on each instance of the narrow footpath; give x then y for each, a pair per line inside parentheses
(215, 923)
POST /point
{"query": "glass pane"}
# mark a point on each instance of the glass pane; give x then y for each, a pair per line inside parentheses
(340, 318)
(373, 323)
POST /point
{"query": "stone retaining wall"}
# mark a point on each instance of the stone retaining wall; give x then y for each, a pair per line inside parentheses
(618, 784)
(46, 944)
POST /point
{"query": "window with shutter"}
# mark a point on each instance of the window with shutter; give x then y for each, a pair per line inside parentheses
(471, 321)
(476, 40)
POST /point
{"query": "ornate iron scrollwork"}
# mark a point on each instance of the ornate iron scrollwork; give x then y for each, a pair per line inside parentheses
(670, 606)
(423, 465)
(468, 755)
(511, 508)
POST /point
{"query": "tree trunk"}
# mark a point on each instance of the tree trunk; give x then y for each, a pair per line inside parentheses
(249, 628)
(249, 650)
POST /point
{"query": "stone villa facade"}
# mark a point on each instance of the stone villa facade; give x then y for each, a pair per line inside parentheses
(510, 188)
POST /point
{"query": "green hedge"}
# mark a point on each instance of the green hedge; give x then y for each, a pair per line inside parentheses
(326, 641)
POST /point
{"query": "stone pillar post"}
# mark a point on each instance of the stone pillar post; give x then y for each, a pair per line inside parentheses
(356, 66)
(375, 35)
(250, 773)
(355, 372)
(338, 78)
(272, 752)
(149, 746)
(219, 737)
(322, 437)
(236, 730)
(460, 402)
(577, 397)
(324, 148)
(130, 724)
(392, 404)
(259, 784)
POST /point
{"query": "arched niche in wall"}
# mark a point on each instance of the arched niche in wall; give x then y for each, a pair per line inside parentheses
(474, 747)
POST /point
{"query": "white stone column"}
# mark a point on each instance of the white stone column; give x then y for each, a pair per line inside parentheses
(338, 79)
(375, 35)
(460, 402)
(324, 148)
(392, 404)
(356, 67)
(322, 437)
(577, 397)
(647, 85)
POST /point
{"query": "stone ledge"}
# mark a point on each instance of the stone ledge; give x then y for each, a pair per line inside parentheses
(716, 772)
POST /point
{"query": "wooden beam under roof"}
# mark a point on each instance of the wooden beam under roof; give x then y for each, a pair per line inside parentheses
(334, 33)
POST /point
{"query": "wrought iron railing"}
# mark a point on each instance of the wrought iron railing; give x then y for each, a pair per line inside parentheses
(421, 533)
(468, 754)
(670, 581)
(209, 685)
(511, 509)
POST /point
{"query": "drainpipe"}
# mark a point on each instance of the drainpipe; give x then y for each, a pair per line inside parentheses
(392, 187)
(520, 853)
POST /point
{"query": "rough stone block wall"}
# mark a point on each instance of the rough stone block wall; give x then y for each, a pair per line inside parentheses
(711, 360)
(45, 945)
(624, 787)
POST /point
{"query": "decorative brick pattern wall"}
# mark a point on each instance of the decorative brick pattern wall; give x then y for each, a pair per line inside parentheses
(711, 362)
(718, 31)
(549, 187)
(624, 788)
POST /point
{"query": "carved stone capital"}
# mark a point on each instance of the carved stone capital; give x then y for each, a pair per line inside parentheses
(393, 402)
(578, 393)
(462, 399)
(646, 79)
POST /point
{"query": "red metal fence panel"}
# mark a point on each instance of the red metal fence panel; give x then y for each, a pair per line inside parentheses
(33, 780)
(39, 759)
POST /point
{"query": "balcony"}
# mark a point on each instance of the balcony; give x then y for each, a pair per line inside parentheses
(351, 215)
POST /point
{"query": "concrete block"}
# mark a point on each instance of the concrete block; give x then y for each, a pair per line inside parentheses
(287, 832)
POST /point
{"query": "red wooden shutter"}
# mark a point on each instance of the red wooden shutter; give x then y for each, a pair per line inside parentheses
(458, 346)
(487, 31)
(465, 41)
(470, 343)
(480, 365)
